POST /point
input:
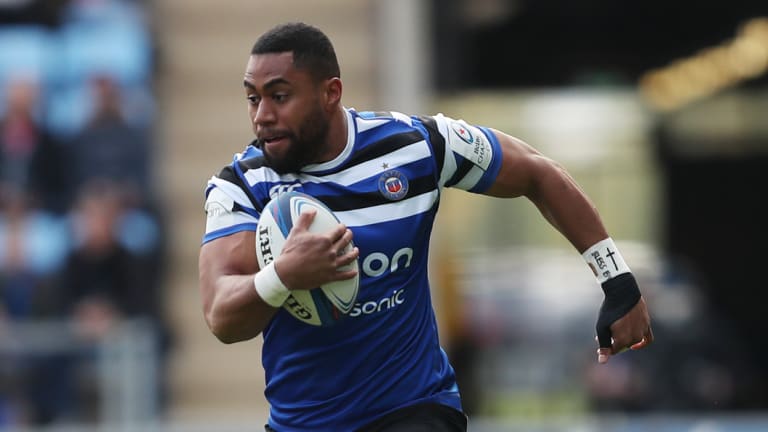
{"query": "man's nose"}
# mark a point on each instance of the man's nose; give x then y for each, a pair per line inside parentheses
(265, 113)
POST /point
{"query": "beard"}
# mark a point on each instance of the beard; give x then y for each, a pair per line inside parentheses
(304, 147)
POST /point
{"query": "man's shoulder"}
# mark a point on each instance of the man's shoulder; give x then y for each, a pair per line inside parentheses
(398, 120)
(366, 119)
(395, 123)
(249, 159)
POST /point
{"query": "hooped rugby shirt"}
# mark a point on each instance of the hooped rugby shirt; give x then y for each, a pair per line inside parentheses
(385, 186)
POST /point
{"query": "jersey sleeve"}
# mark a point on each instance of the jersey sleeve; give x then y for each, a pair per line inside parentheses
(228, 210)
(472, 155)
(233, 203)
(230, 204)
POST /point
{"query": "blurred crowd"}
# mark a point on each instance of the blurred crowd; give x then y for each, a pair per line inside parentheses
(81, 230)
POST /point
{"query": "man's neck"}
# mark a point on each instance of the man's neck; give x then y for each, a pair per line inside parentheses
(337, 134)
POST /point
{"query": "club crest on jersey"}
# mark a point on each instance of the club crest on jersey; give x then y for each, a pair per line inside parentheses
(462, 132)
(393, 185)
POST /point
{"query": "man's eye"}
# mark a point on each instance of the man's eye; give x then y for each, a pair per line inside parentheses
(280, 97)
(253, 100)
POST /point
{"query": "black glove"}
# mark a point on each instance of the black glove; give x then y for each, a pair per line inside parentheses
(621, 295)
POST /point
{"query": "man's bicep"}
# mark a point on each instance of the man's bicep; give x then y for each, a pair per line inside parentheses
(519, 165)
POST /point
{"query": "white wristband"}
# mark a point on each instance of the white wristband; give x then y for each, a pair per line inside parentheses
(269, 286)
(605, 260)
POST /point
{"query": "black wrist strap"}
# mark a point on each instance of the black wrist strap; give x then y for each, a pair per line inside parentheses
(621, 295)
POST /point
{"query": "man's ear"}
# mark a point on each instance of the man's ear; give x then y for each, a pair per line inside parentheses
(333, 89)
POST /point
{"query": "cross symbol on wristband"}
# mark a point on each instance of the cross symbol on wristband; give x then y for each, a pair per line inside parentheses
(610, 255)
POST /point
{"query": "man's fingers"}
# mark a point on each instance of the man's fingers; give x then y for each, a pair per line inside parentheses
(649, 335)
(347, 257)
(647, 340)
(619, 348)
(603, 354)
(341, 242)
(341, 235)
(305, 219)
(604, 337)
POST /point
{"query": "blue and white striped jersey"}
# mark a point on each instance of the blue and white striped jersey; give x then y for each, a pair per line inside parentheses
(385, 186)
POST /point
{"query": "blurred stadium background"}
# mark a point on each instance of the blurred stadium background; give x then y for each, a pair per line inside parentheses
(114, 113)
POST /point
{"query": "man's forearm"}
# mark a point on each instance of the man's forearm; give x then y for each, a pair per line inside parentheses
(237, 313)
(562, 202)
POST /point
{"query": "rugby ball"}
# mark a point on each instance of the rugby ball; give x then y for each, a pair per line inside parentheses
(326, 304)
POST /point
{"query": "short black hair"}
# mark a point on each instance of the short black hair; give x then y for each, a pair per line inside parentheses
(311, 48)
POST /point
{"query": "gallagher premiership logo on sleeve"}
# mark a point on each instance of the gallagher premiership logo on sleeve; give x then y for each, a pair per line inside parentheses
(462, 132)
(470, 142)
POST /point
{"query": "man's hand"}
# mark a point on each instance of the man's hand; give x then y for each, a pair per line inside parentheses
(309, 260)
(632, 331)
